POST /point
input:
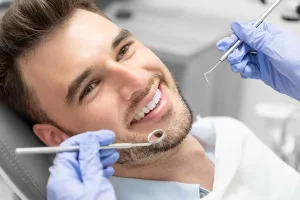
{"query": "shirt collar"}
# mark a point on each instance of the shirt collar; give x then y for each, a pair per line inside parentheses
(137, 189)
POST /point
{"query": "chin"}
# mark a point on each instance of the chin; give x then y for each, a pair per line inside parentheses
(171, 113)
(177, 124)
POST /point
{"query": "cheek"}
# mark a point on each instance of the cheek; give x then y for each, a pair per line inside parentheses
(146, 58)
(102, 113)
(151, 62)
(156, 64)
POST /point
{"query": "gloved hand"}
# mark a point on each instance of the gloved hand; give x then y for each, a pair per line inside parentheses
(84, 175)
(277, 61)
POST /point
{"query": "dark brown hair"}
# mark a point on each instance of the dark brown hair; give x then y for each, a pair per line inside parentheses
(23, 26)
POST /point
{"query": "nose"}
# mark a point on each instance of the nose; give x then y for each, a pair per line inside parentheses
(127, 79)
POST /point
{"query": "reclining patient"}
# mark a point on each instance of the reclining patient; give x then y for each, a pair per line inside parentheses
(68, 69)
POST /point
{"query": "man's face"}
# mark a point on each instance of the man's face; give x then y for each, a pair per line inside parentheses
(92, 75)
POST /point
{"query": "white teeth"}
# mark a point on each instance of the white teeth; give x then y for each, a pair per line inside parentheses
(151, 105)
(156, 97)
(141, 114)
(146, 110)
(137, 118)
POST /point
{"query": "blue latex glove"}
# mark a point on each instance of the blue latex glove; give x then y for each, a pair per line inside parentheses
(277, 62)
(84, 175)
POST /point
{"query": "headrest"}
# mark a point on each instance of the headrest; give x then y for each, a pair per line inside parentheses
(27, 173)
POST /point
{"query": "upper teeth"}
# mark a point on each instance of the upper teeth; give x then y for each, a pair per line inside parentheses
(151, 105)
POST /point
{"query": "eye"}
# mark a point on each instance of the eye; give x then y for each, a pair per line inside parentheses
(123, 52)
(88, 89)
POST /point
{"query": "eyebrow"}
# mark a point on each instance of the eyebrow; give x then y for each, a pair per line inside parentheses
(123, 34)
(76, 84)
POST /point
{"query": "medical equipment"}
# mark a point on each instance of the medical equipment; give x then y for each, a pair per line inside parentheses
(276, 61)
(154, 137)
(238, 42)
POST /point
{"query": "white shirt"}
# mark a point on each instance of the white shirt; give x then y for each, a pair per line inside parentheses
(244, 169)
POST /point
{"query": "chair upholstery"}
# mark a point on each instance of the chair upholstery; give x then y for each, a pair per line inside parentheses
(27, 173)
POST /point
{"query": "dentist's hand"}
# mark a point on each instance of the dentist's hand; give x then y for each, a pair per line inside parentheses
(277, 62)
(84, 175)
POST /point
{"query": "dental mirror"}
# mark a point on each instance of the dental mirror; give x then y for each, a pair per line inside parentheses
(154, 137)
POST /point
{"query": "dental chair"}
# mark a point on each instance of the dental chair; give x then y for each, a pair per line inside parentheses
(26, 175)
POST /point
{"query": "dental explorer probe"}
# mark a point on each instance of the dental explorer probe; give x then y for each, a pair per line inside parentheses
(238, 42)
(159, 135)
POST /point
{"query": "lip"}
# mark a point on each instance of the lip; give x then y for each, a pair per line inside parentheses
(159, 111)
(146, 100)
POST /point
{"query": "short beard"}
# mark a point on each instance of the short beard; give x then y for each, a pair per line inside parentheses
(181, 126)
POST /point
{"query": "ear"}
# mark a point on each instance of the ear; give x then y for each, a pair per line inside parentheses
(49, 134)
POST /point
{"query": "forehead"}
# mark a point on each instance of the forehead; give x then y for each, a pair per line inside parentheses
(79, 44)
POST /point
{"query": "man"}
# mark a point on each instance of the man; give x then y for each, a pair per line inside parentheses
(69, 70)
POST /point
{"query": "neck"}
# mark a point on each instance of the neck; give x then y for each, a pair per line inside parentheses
(186, 164)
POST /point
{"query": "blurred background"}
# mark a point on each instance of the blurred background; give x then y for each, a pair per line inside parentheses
(184, 34)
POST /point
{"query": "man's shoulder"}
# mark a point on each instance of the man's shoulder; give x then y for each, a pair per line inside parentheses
(219, 119)
(219, 123)
(207, 128)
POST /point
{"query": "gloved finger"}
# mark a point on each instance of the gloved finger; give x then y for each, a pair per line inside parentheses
(109, 160)
(72, 141)
(105, 137)
(254, 37)
(251, 71)
(244, 77)
(65, 165)
(238, 54)
(255, 66)
(266, 26)
(107, 152)
(225, 43)
(108, 172)
(271, 28)
(239, 67)
(89, 160)
(247, 67)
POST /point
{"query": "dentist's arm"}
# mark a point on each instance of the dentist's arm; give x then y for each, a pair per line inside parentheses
(277, 62)
(84, 175)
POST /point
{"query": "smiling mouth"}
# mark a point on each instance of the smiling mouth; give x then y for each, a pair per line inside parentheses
(149, 107)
